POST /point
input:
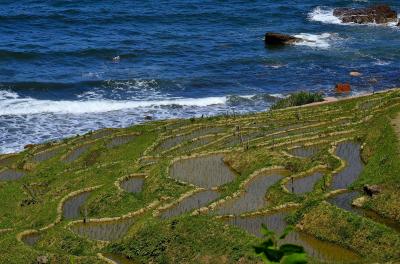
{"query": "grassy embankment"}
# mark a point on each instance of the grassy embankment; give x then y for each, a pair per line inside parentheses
(250, 142)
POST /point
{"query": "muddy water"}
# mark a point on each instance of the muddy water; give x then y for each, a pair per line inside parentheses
(11, 175)
(31, 239)
(76, 153)
(133, 185)
(107, 231)
(120, 140)
(350, 152)
(119, 259)
(344, 201)
(253, 197)
(321, 250)
(305, 152)
(72, 207)
(46, 155)
(207, 171)
(304, 184)
(192, 202)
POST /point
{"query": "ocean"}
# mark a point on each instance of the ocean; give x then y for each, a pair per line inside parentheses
(68, 67)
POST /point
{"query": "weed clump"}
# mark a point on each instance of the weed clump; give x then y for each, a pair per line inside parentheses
(297, 99)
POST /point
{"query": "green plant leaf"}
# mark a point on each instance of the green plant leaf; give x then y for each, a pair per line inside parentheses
(288, 249)
(273, 254)
(296, 258)
(265, 231)
(287, 230)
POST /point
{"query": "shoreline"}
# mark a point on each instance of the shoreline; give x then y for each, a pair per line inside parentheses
(327, 100)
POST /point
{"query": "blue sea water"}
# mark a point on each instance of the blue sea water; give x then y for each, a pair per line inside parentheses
(67, 67)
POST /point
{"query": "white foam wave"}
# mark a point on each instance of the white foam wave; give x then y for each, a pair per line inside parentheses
(321, 41)
(5, 94)
(27, 106)
(324, 15)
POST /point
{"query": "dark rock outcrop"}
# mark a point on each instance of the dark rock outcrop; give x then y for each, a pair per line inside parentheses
(371, 190)
(379, 14)
(279, 39)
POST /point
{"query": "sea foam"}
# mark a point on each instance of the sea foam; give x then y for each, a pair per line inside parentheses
(321, 41)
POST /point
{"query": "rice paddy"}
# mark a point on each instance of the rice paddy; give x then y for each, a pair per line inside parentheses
(304, 184)
(198, 190)
(133, 184)
(10, 175)
(76, 153)
(120, 140)
(205, 171)
(253, 196)
(320, 250)
(104, 230)
(350, 153)
(190, 203)
(73, 206)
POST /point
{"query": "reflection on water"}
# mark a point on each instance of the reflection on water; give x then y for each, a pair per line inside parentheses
(31, 239)
(321, 250)
(350, 152)
(253, 197)
(345, 200)
(107, 231)
(10, 175)
(305, 152)
(133, 185)
(304, 184)
(192, 202)
(206, 172)
(72, 206)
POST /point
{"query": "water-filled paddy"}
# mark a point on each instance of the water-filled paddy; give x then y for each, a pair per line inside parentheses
(344, 201)
(10, 175)
(76, 153)
(45, 154)
(133, 184)
(350, 152)
(304, 184)
(205, 171)
(253, 197)
(120, 140)
(72, 207)
(106, 231)
(190, 203)
(321, 250)
(305, 152)
(31, 238)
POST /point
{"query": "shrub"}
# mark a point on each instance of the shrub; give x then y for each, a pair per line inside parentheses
(296, 99)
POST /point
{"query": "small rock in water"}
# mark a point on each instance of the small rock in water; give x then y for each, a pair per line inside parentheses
(279, 39)
(148, 118)
(343, 88)
(355, 74)
(379, 14)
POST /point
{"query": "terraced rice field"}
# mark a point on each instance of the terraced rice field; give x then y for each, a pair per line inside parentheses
(197, 191)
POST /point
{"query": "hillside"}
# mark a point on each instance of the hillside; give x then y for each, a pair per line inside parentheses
(197, 190)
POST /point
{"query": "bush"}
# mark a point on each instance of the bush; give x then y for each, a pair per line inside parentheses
(296, 99)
